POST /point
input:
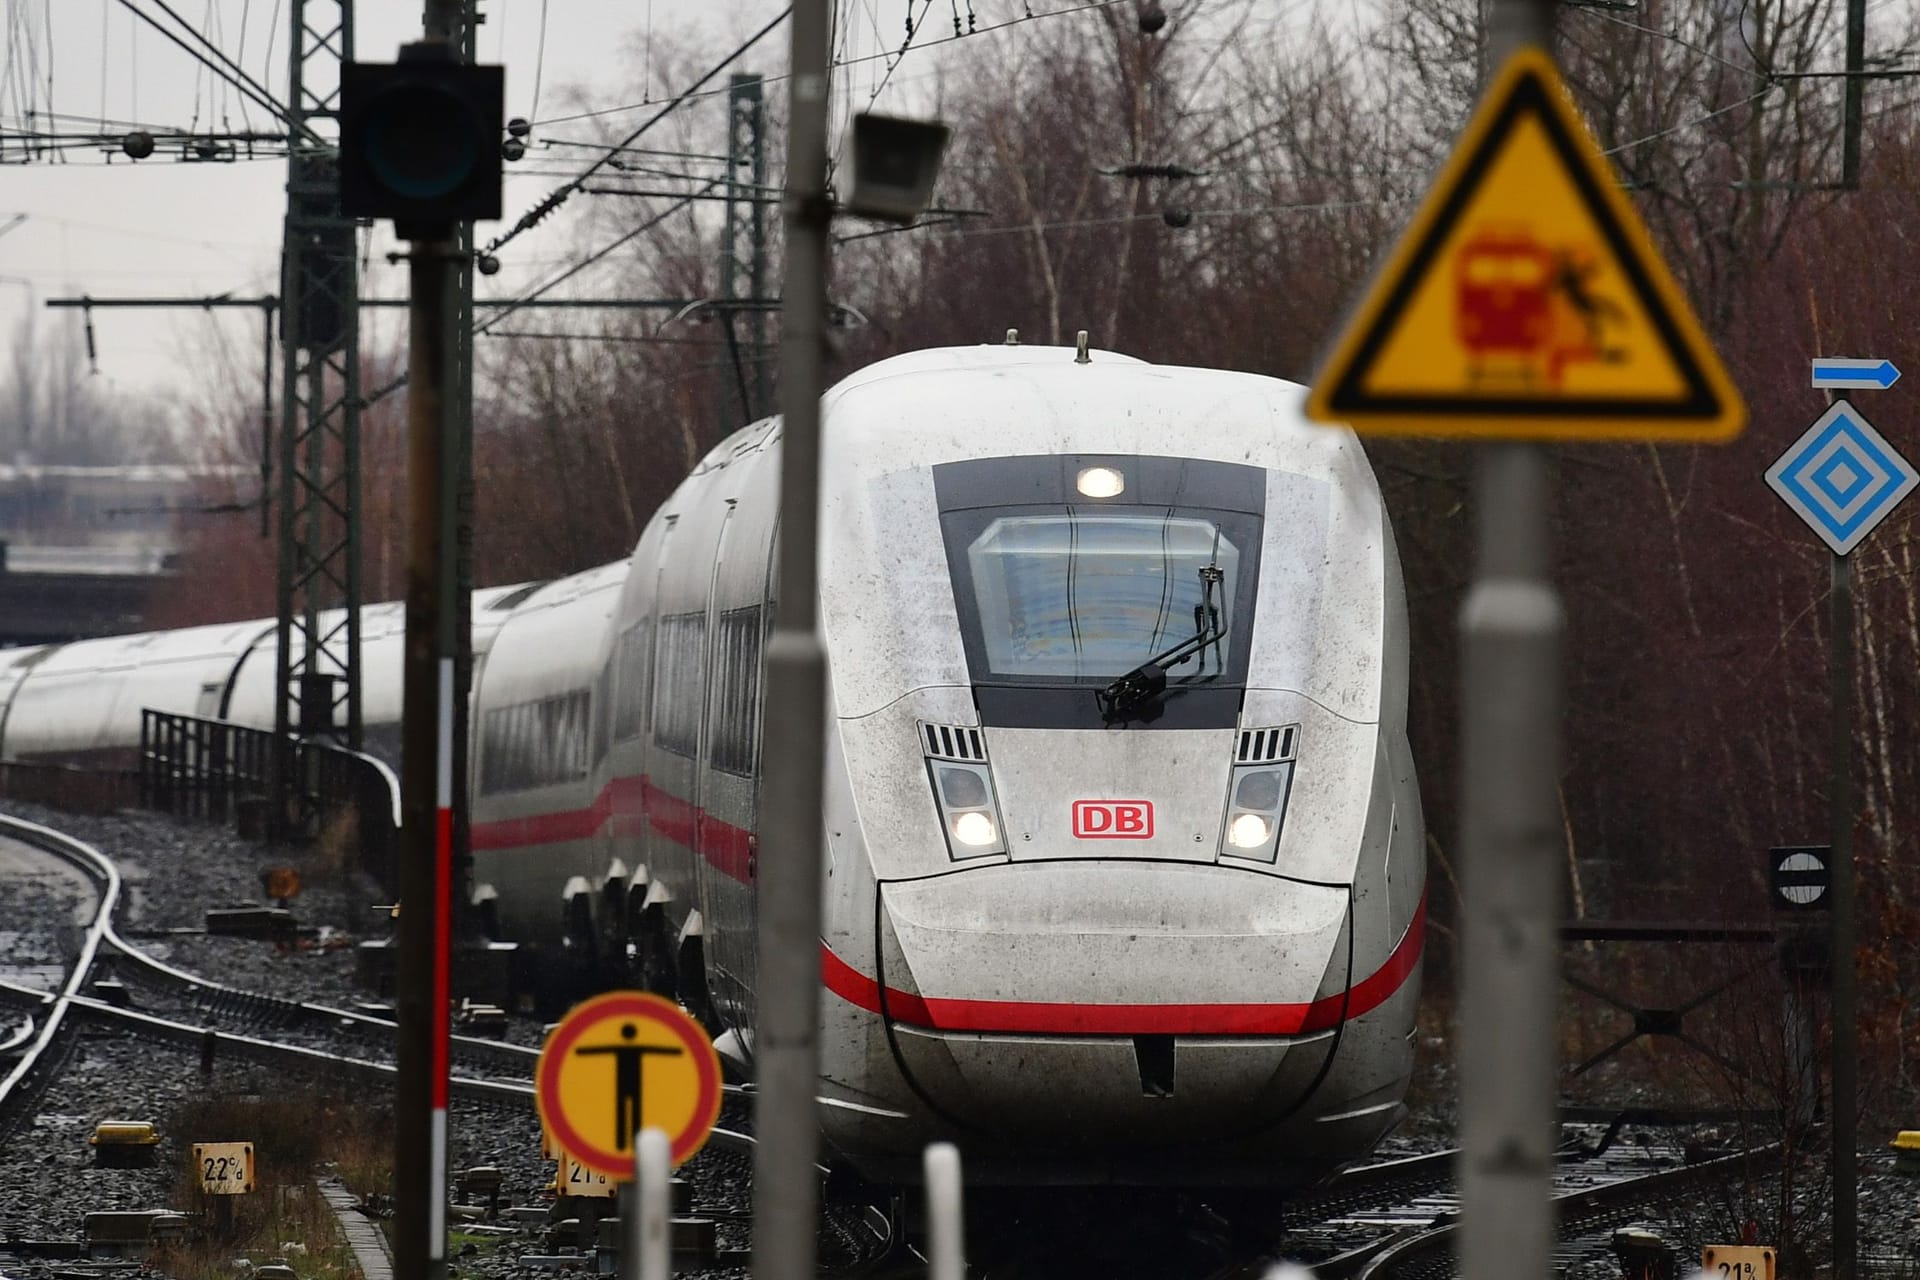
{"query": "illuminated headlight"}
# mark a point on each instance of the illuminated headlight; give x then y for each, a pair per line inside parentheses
(1255, 809)
(974, 830)
(968, 811)
(1249, 831)
(1100, 482)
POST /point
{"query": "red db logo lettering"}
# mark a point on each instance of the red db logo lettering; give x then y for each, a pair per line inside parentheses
(1113, 819)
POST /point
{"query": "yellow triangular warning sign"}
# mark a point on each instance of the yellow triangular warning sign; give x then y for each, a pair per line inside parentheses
(1525, 299)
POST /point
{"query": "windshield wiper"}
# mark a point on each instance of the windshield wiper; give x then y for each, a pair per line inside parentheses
(1148, 681)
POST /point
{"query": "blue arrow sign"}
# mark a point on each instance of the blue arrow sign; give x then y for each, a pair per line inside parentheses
(1844, 375)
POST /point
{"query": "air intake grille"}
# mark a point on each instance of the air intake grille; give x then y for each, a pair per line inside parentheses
(1267, 746)
(952, 742)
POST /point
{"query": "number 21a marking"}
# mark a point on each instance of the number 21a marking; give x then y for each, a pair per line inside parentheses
(1739, 1271)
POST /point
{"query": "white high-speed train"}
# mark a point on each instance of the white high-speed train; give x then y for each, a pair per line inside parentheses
(1126, 878)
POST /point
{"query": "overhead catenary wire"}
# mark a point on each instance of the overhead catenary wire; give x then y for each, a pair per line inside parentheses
(245, 83)
(989, 29)
(106, 46)
(539, 62)
(562, 277)
(559, 195)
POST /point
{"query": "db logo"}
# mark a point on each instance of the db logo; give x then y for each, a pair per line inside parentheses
(1113, 819)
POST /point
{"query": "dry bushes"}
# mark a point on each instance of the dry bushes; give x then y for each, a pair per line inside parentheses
(297, 1137)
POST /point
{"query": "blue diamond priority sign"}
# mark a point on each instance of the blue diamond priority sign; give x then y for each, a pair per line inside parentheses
(1842, 477)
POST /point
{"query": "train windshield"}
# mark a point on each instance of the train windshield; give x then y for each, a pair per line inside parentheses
(1072, 570)
(1070, 595)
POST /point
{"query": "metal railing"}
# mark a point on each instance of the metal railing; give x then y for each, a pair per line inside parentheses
(216, 771)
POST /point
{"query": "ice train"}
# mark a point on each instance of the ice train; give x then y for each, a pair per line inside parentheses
(1126, 876)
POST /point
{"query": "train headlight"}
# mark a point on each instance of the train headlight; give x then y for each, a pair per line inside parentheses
(1255, 809)
(1100, 482)
(975, 830)
(1249, 831)
(968, 811)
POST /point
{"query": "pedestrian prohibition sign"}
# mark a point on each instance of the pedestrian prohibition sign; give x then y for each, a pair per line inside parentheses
(1525, 300)
(623, 1062)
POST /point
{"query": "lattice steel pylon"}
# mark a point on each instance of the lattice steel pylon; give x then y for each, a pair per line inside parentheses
(318, 647)
(743, 254)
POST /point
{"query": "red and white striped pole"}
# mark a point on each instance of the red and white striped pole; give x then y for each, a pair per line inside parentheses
(423, 983)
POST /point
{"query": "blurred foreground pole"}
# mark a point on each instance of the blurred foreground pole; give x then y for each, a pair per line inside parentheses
(1511, 628)
(946, 1218)
(786, 1033)
(646, 1226)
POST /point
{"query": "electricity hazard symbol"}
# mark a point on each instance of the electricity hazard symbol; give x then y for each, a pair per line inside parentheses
(1525, 299)
(623, 1062)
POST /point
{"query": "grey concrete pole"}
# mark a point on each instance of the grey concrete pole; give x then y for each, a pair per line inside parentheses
(1511, 634)
(787, 1004)
(646, 1226)
(946, 1217)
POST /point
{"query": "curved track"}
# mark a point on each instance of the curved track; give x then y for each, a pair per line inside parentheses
(261, 1017)
(41, 1047)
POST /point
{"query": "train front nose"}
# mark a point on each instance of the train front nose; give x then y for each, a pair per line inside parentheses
(1108, 1004)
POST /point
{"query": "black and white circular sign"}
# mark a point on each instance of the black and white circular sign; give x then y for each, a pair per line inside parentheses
(1801, 877)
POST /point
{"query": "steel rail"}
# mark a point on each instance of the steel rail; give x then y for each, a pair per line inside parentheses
(96, 863)
(22, 1036)
(277, 1053)
(1571, 1207)
(303, 1010)
(106, 876)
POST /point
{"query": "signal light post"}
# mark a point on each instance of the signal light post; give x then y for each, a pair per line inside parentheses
(420, 144)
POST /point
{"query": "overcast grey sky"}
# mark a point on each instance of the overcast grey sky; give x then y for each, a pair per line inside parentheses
(101, 225)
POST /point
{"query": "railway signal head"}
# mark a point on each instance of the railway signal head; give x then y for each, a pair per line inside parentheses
(420, 140)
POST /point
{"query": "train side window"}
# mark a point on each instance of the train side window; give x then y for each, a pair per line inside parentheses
(630, 680)
(576, 721)
(736, 678)
(492, 750)
(679, 658)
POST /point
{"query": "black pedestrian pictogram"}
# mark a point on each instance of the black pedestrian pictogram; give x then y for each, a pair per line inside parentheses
(627, 1059)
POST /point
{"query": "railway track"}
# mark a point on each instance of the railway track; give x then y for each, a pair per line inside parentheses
(1398, 1220)
(42, 1043)
(231, 1022)
(236, 1015)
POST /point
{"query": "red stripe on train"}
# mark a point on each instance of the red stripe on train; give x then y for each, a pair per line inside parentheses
(1057, 1018)
(626, 803)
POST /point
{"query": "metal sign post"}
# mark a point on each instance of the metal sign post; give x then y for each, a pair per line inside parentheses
(1846, 1190)
(1843, 478)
